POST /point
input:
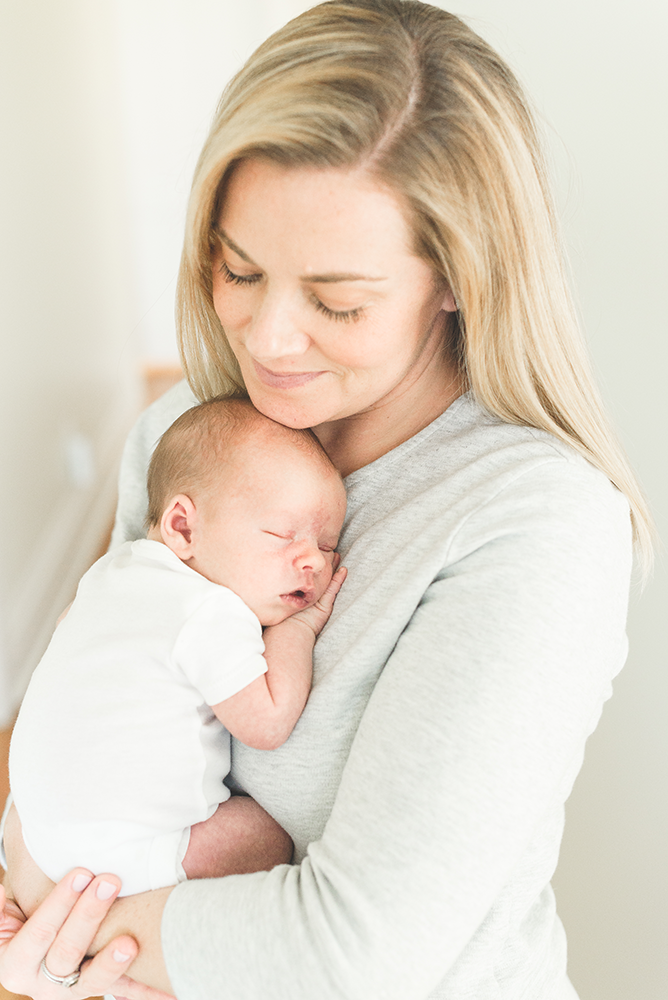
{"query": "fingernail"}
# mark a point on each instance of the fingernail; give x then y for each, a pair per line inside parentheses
(105, 890)
(118, 956)
(79, 882)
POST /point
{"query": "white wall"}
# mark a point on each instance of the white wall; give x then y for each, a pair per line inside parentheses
(68, 387)
(174, 60)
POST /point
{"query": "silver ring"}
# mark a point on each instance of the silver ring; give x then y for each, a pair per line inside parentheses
(61, 980)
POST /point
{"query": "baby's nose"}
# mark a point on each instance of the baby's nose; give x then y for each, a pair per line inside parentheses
(311, 558)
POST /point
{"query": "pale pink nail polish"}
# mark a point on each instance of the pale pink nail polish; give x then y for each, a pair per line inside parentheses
(105, 890)
(79, 882)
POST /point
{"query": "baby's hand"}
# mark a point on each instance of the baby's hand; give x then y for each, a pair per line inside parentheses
(318, 614)
(12, 918)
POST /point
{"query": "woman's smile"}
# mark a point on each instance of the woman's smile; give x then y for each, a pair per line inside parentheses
(286, 379)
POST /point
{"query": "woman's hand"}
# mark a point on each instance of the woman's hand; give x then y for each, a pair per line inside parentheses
(60, 932)
(71, 916)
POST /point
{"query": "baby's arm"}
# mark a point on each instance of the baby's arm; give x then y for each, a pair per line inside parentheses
(240, 836)
(264, 713)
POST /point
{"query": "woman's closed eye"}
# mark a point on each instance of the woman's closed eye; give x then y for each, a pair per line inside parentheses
(342, 315)
(238, 279)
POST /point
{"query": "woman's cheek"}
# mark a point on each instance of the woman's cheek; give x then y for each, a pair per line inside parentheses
(228, 311)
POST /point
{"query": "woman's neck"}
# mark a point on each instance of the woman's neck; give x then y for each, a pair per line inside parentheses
(355, 441)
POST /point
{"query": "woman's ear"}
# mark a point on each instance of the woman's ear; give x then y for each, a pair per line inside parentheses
(177, 525)
(449, 305)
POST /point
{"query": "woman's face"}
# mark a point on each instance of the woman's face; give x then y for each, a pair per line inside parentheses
(326, 307)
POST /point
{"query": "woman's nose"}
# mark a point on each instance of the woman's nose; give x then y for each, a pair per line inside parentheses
(274, 331)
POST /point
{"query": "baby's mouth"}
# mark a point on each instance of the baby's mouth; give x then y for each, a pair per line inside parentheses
(299, 598)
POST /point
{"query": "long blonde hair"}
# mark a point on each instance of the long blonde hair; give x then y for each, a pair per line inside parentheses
(428, 108)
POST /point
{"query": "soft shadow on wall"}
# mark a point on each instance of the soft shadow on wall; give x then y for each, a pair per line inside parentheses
(69, 382)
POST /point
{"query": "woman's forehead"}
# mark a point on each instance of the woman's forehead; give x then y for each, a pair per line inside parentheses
(328, 209)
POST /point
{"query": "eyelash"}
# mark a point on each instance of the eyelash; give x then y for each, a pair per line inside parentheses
(288, 538)
(349, 316)
(238, 279)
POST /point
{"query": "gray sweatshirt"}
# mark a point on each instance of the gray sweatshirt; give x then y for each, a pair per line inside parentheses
(466, 661)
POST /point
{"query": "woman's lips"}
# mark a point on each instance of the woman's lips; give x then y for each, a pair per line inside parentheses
(283, 380)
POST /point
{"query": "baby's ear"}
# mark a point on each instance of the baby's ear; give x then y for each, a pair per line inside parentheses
(176, 526)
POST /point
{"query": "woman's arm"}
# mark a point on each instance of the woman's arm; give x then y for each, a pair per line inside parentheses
(466, 752)
(67, 922)
(454, 787)
(140, 917)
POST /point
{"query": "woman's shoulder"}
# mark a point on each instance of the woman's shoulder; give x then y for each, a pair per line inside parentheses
(475, 477)
(467, 449)
(529, 484)
(140, 444)
(532, 463)
(156, 418)
(470, 434)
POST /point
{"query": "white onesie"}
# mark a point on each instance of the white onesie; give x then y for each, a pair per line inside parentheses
(116, 752)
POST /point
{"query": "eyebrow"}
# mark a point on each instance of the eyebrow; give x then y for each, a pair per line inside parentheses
(316, 279)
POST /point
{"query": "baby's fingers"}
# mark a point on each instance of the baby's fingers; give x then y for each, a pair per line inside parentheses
(11, 917)
(316, 616)
(326, 602)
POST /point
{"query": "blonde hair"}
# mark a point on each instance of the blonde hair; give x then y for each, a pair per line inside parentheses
(413, 95)
(194, 453)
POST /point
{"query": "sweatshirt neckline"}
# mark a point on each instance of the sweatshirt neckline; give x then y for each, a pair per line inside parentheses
(398, 453)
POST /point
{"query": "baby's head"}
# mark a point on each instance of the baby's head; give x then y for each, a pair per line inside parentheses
(249, 504)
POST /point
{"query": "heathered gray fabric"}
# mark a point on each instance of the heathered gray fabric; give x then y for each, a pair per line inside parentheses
(466, 662)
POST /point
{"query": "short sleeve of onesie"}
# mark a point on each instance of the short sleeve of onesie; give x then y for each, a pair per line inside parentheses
(220, 647)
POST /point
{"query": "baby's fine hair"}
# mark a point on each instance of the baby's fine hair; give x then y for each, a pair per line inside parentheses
(190, 455)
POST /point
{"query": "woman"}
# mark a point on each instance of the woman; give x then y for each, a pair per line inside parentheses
(371, 251)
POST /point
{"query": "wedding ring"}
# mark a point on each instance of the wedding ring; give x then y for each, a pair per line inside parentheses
(61, 980)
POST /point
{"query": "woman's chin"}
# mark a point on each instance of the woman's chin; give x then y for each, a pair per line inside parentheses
(289, 412)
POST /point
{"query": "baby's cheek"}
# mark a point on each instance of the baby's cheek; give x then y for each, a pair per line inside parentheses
(325, 578)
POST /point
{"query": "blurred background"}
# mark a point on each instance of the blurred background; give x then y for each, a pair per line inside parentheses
(105, 104)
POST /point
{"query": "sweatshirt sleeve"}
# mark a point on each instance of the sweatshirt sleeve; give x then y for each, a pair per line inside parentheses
(473, 735)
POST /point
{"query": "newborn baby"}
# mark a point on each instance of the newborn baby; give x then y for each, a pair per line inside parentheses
(120, 750)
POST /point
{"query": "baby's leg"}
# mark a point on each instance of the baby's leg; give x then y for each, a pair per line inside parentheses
(240, 837)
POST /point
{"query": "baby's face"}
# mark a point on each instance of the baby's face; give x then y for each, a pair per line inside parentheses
(271, 532)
